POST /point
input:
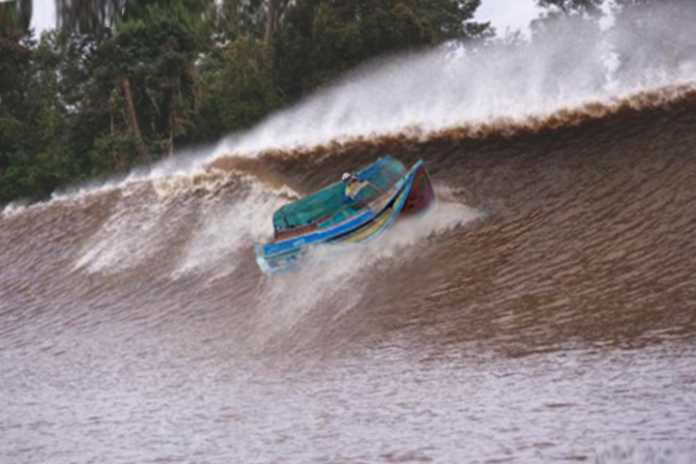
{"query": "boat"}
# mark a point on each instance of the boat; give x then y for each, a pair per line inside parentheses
(357, 208)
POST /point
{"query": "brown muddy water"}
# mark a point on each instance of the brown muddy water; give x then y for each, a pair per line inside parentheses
(544, 311)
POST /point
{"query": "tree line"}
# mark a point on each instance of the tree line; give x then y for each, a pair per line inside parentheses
(120, 83)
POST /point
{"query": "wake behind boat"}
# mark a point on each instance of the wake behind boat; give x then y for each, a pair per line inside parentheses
(358, 208)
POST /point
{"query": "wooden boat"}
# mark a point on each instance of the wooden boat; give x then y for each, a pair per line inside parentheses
(352, 210)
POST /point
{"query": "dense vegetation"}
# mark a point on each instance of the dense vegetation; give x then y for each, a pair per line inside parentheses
(124, 82)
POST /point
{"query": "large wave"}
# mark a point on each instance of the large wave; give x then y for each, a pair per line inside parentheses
(545, 306)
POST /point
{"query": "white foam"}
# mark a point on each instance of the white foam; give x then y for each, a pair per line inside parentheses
(227, 228)
(334, 275)
(129, 237)
(13, 209)
(575, 64)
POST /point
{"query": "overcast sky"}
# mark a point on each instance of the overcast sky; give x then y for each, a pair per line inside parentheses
(503, 14)
(508, 14)
(43, 15)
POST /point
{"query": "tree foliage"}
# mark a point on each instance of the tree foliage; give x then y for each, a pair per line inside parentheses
(15, 18)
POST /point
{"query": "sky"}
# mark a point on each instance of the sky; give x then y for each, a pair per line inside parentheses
(509, 15)
(503, 14)
(43, 15)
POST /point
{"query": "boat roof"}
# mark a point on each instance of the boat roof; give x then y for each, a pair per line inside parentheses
(327, 202)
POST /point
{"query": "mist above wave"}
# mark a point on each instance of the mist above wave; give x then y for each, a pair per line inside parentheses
(570, 61)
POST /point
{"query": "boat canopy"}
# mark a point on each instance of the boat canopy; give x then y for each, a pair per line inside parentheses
(332, 202)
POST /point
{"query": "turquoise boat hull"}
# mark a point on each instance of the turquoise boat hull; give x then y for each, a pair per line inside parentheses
(411, 193)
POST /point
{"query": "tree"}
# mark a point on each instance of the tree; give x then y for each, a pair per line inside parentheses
(146, 50)
(150, 62)
(36, 155)
(320, 39)
(238, 90)
(15, 63)
(589, 7)
(15, 18)
(274, 12)
(88, 17)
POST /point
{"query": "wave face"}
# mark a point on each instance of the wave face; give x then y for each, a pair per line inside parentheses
(545, 309)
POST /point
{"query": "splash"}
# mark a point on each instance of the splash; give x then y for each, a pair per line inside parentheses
(130, 236)
(227, 229)
(336, 276)
(571, 63)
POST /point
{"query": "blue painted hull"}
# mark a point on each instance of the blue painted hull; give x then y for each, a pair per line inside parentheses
(280, 255)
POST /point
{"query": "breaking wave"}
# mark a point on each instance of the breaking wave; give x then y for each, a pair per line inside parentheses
(558, 258)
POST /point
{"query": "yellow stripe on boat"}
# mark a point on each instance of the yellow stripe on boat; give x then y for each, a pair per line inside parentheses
(375, 226)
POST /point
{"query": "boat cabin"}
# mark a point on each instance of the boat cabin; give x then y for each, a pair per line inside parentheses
(332, 204)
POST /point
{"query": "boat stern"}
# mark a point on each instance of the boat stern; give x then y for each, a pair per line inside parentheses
(422, 195)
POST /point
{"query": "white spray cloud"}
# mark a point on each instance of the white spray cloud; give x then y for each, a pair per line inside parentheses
(148, 219)
(227, 228)
(572, 62)
(129, 237)
(335, 276)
